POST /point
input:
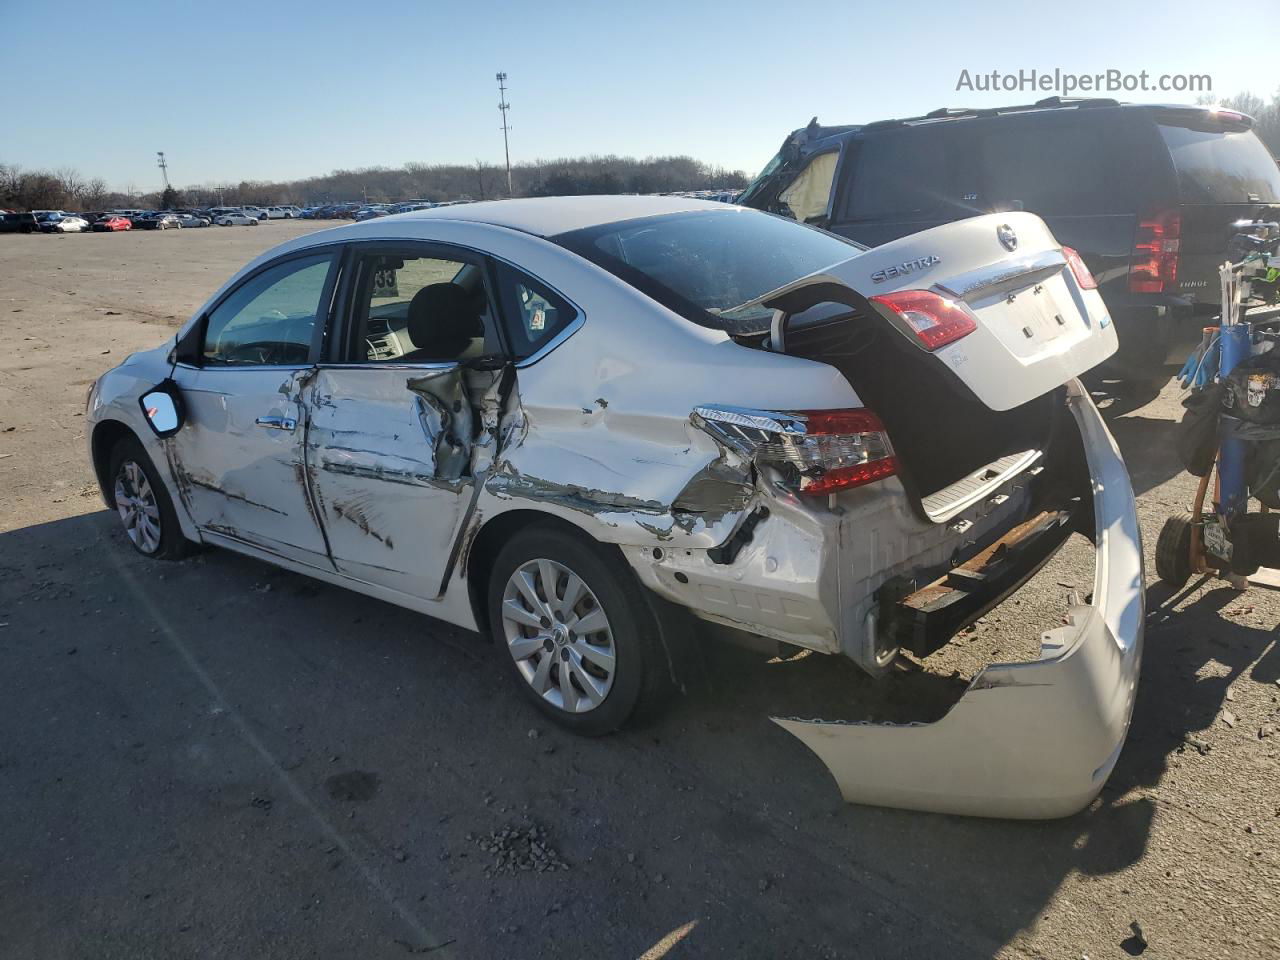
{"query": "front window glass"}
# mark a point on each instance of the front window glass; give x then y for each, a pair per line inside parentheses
(704, 264)
(271, 318)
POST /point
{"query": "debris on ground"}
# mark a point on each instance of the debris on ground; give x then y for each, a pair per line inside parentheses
(520, 848)
(1202, 746)
(1228, 718)
(1135, 944)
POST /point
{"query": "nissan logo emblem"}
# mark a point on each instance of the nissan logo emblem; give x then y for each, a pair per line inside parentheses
(1007, 237)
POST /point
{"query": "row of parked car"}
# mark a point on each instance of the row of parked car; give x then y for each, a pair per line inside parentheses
(63, 221)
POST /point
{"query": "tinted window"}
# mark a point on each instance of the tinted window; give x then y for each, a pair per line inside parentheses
(1220, 167)
(534, 313)
(270, 318)
(1054, 169)
(704, 264)
(901, 173)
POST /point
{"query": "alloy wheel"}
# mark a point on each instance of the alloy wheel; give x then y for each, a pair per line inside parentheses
(558, 635)
(137, 506)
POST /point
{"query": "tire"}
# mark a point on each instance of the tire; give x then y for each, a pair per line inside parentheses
(153, 533)
(1173, 552)
(611, 672)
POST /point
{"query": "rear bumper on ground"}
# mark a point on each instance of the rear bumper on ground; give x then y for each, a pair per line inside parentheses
(1027, 740)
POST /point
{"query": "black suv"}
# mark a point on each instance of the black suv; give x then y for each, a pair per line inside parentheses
(1145, 193)
(19, 223)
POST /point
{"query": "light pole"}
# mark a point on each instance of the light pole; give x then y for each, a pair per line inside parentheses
(164, 167)
(503, 106)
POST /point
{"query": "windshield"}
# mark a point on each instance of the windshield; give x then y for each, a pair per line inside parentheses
(1221, 167)
(703, 264)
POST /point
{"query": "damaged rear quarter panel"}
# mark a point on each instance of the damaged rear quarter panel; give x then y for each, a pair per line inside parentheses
(607, 440)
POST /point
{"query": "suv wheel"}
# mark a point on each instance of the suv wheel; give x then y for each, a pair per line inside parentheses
(570, 622)
(143, 504)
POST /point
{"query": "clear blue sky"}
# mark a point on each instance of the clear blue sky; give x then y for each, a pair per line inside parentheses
(237, 90)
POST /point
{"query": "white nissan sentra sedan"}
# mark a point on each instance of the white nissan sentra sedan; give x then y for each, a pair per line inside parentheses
(569, 423)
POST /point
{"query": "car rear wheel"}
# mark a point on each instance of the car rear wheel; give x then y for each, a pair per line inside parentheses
(570, 622)
(143, 504)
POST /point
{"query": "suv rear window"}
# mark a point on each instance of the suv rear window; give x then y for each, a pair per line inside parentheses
(1216, 166)
(704, 263)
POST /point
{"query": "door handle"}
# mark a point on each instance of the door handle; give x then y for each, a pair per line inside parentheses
(277, 423)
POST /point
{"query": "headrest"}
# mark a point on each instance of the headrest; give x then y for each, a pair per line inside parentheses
(443, 320)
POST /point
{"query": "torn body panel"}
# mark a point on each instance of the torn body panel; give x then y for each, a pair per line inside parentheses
(1027, 740)
(388, 453)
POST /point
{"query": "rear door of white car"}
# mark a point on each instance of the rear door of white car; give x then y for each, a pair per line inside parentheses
(391, 415)
(239, 462)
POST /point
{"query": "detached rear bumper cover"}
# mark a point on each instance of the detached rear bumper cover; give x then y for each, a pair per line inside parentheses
(1027, 740)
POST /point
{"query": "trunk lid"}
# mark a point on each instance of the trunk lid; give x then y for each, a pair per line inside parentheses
(1035, 326)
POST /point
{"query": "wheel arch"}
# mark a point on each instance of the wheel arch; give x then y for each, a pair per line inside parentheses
(673, 624)
(491, 538)
(106, 434)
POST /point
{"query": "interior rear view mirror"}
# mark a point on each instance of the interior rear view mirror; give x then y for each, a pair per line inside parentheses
(163, 408)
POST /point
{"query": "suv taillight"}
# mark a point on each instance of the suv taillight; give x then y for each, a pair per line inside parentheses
(935, 321)
(1154, 268)
(1083, 277)
(816, 451)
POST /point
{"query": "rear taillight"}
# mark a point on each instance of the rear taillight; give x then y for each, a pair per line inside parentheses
(1155, 254)
(815, 451)
(1083, 277)
(934, 320)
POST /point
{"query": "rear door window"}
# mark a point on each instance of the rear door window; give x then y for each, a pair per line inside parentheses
(419, 305)
(1216, 166)
(1054, 168)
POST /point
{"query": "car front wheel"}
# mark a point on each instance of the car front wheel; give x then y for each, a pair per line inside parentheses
(571, 624)
(143, 504)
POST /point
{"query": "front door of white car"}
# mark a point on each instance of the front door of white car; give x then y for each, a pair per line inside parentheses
(389, 439)
(239, 462)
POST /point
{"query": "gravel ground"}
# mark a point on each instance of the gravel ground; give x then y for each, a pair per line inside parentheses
(219, 759)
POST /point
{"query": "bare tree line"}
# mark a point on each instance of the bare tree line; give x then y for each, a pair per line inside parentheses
(66, 189)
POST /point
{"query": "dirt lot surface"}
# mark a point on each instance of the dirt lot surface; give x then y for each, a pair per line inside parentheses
(218, 759)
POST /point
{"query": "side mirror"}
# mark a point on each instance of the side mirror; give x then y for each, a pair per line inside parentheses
(162, 406)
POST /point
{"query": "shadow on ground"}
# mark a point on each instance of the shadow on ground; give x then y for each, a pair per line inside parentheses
(177, 730)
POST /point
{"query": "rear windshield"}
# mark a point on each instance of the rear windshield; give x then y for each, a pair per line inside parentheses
(704, 263)
(1221, 167)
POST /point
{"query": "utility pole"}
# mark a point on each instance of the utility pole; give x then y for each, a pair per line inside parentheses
(164, 167)
(503, 106)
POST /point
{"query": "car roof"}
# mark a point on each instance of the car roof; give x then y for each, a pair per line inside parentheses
(549, 216)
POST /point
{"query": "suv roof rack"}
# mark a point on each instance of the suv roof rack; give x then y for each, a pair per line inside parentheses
(959, 113)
